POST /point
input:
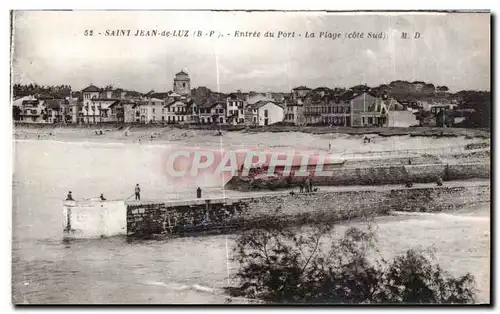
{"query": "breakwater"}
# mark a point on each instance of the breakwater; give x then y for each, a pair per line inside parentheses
(151, 219)
(374, 175)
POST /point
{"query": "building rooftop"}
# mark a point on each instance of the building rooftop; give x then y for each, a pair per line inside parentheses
(91, 88)
(261, 103)
(54, 103)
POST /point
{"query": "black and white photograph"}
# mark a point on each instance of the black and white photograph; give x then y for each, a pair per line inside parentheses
(250, 157)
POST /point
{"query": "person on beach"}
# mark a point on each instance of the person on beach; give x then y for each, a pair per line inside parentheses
(329, 146)
(102, 197)
(308, 185)
(137, 192)
(69, 197)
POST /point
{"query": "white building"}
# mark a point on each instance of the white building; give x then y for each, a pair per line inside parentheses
(178, 111)
(154, 110)
(96, 104)
(235, 109)
(33, 111)
(264, 112)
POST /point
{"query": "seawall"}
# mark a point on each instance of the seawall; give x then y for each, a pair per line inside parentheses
(150, 219)
(375, 175)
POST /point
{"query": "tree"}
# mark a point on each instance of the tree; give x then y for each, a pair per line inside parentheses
(442, 89)
(360, 88)
(16, 113)
(281, 265)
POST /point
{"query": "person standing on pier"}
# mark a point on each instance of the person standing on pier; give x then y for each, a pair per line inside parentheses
(137, 192)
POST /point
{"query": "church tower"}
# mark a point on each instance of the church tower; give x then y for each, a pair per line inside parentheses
(182, 84)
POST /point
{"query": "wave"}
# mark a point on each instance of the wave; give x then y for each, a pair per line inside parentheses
(180, 287)
(443, 216)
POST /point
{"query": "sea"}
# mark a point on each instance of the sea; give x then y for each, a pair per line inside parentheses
(190, 270)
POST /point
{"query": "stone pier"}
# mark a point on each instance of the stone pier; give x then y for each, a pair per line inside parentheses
(150, 219)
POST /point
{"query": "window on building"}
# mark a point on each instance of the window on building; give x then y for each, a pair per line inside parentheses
(221, 120)
(162, 118)
(153, 110)
(202, 120)
(266, 114)
(363, 120)
(254, 119)
(370, 120)
(183, 84)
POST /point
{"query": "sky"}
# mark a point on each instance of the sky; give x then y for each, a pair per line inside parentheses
(49, 48)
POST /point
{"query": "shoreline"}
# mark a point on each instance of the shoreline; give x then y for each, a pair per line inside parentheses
(213, 129)
(203, 135)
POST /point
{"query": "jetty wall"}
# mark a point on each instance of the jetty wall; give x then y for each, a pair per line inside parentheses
(375, 175)
(146, 220)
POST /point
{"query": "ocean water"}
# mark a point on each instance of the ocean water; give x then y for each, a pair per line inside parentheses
(185, 270)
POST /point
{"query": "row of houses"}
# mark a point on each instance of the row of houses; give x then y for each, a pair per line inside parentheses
(361, 110)
(302, 106)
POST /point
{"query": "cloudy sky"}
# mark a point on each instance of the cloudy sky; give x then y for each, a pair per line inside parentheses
(50, 49)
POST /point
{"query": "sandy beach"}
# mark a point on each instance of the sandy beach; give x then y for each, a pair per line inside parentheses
(310, 137)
